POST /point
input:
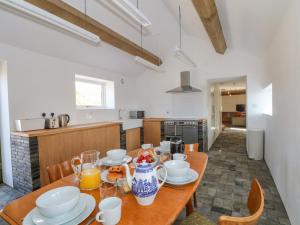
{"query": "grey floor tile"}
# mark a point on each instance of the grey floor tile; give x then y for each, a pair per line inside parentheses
(226, 183)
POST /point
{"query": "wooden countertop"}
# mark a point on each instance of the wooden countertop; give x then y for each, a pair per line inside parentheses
(158, 119)
(44, 132)
(154, 119)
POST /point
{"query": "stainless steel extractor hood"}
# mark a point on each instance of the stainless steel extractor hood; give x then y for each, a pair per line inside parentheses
(185, 86)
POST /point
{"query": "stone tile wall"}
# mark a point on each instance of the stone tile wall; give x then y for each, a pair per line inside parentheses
(202, 135)
(25, 163)
(123, 138)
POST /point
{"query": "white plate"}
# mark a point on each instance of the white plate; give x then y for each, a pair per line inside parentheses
(39, 219)
(162, 150)
(191, 177)
(90, 206)
(108, 162)
(104, 177)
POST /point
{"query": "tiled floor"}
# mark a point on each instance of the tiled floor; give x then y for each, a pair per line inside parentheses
(7, 194)
(225, 185)
(227, 180)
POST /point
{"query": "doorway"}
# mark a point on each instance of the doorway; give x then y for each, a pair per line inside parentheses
(227, 101)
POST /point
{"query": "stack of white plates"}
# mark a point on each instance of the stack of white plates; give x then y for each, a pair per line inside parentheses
(109, 162)
(61, 206)
(191, 176)
(115, 157)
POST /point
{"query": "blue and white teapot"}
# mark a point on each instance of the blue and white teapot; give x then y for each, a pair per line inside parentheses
(144, 183)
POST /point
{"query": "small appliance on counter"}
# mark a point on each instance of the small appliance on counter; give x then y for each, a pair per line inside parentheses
(136, 114)
(30, 124)
(63, 120)
(52, 122)
(176, 145)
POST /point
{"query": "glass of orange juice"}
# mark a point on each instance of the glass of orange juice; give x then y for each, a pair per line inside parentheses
(89, 177)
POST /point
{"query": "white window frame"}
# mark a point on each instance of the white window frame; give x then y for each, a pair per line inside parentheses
(93, 80)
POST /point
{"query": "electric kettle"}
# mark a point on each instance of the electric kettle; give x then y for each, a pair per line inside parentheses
(63, 119)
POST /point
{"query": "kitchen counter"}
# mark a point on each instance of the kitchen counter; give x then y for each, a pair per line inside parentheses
(44, 132)
(33, 151)
(171, 118)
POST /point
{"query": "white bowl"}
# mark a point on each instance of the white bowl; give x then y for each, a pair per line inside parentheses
(58, 201)
(116, 154)
(177, 168)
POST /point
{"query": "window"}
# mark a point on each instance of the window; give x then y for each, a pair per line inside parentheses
(268, 102)
(94, 93)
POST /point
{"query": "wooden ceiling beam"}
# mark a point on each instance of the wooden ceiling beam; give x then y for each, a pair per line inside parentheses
(73, 15)
(208, 14)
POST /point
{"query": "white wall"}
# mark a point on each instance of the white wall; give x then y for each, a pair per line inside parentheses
(151, 85)
(38, 83)
(229, 102)
(282, 128)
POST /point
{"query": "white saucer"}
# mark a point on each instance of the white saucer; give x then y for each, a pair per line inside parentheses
(191, 177)
(90, 206)
(39, 219)
(104, 174)
(108, 162)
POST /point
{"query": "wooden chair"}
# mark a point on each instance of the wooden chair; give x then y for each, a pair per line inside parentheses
(58, 171)
(188, 150)
(54, 173)
(66, 168)
(255, 205)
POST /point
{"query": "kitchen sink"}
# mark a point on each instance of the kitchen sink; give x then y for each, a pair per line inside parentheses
(131, 123)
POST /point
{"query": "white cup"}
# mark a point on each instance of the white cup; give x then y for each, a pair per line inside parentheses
(110, 211)
(179, 156)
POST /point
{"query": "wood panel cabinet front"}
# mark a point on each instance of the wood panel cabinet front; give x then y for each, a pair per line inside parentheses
(57, 148)
(152, 132)
(133, 138)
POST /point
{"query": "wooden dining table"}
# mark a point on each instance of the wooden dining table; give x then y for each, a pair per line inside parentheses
(169, 201)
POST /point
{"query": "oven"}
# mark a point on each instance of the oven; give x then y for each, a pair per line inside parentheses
(187, 130)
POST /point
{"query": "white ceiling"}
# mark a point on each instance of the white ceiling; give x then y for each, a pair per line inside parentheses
(247, 25)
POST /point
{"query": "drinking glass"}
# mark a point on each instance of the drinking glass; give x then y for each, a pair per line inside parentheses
(107, 190)
(122, 187)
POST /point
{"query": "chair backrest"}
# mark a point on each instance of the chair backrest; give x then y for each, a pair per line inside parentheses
(54, 173)
(58, 171)
(66, 168)
(191, 148)
(255, 205)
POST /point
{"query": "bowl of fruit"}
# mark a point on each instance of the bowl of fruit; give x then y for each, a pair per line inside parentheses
(146, 156)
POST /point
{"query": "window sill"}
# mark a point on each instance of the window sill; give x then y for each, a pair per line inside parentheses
(93, 108)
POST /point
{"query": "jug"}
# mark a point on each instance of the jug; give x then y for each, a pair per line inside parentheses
(87, 169)
(144, 183)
